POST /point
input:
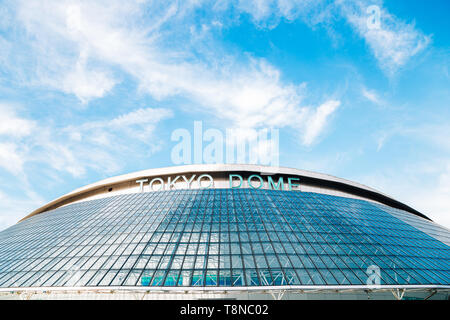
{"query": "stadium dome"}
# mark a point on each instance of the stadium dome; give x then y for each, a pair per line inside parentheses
(225, 231)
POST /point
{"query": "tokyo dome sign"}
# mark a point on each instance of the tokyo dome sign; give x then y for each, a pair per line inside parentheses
(205, 181)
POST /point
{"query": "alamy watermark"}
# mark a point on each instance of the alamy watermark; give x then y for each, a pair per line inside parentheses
(373, 276)
(374, 17)
(232, 146)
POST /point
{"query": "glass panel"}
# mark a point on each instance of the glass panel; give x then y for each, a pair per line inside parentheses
(239, 237)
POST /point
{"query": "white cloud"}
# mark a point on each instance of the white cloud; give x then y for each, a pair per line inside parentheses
(10, 158)
(316, 122)
(268, 13)
(431, 134)
(393, 42)
(126, 130)
(99, 145)
(13, 130)
(12, 125)
(78, 45)
(371, 95)
(89, 41)
(139, 117)
(87, 83)
(52, 54)
(435, 201)
(423, 186)
(13, 208)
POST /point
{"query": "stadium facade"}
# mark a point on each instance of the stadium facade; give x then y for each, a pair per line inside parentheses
(225, 231)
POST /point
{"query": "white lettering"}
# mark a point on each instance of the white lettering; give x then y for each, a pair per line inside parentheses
(181, 152)
(171, 183)
(141, 184)
(188, 182)
(235, 181)
(211, 181)
(161, 186)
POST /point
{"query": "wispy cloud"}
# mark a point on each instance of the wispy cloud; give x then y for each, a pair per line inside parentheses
(371, 95)
(14, 207)
(86, 83)
(78, 47)
(11, 125)
(91, 42)
(13, 129)
(73, 149)
(318, 120)
(393, 42)
(10, 157)
(423, 186)
(268, 13)
(435, 200)
(434, 135)
(422, 182)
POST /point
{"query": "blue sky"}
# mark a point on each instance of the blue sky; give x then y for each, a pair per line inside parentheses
(92, 89)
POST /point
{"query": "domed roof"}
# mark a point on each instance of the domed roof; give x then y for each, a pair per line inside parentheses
(309, 181)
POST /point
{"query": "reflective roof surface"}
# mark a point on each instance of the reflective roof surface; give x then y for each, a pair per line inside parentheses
(224, 237)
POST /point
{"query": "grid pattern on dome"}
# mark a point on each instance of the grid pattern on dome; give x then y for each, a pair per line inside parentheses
(220, 237)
